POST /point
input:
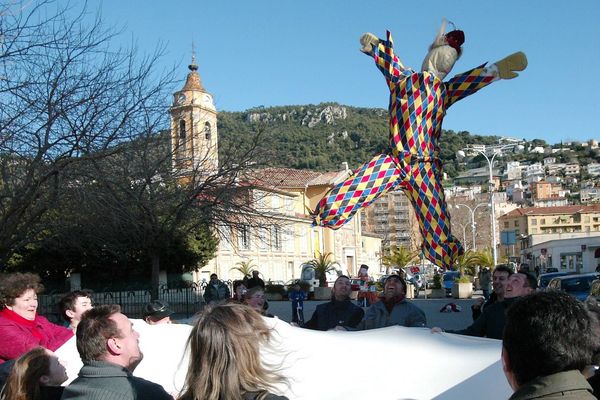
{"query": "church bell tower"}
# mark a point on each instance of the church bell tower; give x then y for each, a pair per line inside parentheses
(194, 141)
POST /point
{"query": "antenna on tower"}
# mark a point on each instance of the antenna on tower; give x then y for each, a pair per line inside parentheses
(193, 66)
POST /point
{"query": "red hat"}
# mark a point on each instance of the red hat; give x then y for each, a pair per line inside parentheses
(455, 39)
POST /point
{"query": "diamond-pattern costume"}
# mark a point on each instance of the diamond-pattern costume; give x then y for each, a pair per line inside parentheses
(418, 102)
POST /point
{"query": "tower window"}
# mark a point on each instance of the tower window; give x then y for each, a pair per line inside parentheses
(182, 129)
(207, 132)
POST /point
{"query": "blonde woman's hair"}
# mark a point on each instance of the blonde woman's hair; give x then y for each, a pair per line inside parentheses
(23, 383)
(225, 355)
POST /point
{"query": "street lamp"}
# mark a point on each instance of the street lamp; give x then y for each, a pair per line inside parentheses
(464, 228)
(472, 210)
(490, 162)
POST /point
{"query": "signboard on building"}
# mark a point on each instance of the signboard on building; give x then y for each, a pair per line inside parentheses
(508, 238)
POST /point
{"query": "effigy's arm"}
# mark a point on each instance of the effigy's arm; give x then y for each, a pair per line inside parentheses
(383, 53)
(467, 83)
(370, 181)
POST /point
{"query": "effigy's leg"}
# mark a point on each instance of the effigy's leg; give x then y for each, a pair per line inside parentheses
(424, 189)
(369, 182)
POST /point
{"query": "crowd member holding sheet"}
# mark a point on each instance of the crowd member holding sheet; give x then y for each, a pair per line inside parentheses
(21, 328)
(36, 375)
(225, 360)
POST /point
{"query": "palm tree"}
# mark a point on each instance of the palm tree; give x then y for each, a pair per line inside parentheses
(467, 261)
(484, 258)
(244, 267)
(399, 257)
(322, 264)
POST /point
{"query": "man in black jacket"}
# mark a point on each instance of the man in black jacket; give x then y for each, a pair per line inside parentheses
(491, 322)
(255, 281)
(340, 311)
(499, 278)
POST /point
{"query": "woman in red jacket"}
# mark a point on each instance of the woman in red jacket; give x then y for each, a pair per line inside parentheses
(21, 329)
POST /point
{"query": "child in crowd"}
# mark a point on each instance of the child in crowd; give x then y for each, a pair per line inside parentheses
(297, 296)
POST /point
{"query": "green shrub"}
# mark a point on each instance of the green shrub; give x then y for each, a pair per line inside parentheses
(274, 288)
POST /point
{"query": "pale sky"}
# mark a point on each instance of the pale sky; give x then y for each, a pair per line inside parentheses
(283, 52)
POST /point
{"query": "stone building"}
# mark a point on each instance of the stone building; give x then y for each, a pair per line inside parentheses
(535, 225)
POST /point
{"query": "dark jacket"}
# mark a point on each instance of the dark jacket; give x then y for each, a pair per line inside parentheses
(251, 282)
(476, 312)
(100, 380)
(329, 315)
(219, 293)
(491, 322)
(51, 392)
(594, 382)
(563, 385)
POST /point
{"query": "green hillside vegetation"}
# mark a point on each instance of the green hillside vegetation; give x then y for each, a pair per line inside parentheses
(321, 137)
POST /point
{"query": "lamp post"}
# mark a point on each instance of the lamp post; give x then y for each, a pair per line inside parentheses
(490, 162)
(464, 228)
(472, 211)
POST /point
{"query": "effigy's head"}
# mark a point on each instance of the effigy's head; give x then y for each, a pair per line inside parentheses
(443, 52)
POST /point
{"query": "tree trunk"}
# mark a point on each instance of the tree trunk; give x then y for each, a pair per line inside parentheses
(155, 273)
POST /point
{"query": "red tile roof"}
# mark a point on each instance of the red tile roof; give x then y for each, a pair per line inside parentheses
(283, 178)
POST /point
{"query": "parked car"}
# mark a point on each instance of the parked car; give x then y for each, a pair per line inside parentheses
(577, 286)
(544, 279)
(448, 280)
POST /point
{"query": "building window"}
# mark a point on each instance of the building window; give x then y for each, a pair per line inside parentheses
(533, 221)
(506, 224)
(244, 238)
(276, 238)
(182, 129)
(543, 221)
(263, 239)
(571, 261)
(207, 131)
(288, 240)
(289, 204)
(516, 223)
(225, 232)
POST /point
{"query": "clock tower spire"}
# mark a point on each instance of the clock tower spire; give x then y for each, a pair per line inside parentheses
(194, 141)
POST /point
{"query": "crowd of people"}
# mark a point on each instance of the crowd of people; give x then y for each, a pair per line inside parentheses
(550, 341)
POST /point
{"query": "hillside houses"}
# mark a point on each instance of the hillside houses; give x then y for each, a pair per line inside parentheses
(548, 206)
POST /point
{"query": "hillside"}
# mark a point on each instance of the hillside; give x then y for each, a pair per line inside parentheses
(321, 137)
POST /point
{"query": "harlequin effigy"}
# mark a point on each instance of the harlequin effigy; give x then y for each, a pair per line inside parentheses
(418, 103)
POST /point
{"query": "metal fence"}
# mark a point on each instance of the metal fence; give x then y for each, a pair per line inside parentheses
(185, 301)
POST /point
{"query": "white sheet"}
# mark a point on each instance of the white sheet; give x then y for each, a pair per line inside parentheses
(388, 363)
